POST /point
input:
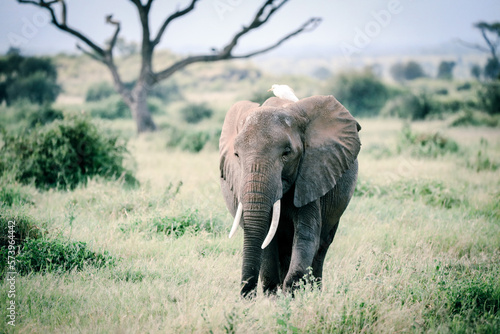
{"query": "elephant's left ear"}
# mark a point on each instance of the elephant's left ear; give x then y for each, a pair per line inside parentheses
(331, 145)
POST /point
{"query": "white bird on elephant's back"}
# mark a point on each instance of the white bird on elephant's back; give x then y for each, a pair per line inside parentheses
(284, 92)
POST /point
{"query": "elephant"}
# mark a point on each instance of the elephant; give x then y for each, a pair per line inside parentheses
(288, 171)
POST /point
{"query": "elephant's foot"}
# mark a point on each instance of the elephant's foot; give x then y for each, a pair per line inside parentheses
(299, 279)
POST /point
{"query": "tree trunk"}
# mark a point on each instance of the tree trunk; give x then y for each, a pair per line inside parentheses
(140, 110)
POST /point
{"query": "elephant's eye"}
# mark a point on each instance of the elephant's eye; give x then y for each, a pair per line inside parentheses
(287, 152)
(236, 155)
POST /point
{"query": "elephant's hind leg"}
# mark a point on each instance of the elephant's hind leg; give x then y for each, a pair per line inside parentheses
(319, 258)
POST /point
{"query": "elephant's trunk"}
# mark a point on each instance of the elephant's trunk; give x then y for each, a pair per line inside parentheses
(258, 196)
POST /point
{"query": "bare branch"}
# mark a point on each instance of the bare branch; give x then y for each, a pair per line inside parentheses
(493, 47)
(148, 5)
(172, 17)
(90, 54)
(310, 25)
(307, 26)
(109, 19)
(257, 22)
(63, 11)
(473, 45)
(63, 25)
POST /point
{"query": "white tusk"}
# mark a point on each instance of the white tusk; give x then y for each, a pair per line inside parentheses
(274, 224)
(236, 220)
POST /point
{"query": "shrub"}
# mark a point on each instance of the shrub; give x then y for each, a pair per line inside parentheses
(195, 113)
(44, 115)
(192, 140)
(261, 96)
(481, 160)
(433, 193)
(190, 222)
(367, 189)
(64, 154)
(489, 97)
(378, 151)
(178, 226)
(35, 88)
(410, 106)
(23, 115)
(166, 92)
(112, 107)
(471, 118)
(425, 144)
(492, 69)
(430, 192)
(407, 71)
(13, 194)
(475, 296)
(100, 91)
(59, 256)
(361, 93)
(25, 227)
(27, 78)
(445, 70)
(464, 86)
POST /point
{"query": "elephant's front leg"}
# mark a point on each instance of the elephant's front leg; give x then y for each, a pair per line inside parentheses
(307, 223)
(269, 270)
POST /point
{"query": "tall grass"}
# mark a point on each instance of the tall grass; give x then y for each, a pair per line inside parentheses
(416, 251)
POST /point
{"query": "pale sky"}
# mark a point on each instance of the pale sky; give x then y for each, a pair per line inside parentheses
(364, 25)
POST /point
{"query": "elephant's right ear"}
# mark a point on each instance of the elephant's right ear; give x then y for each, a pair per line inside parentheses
(229, 166)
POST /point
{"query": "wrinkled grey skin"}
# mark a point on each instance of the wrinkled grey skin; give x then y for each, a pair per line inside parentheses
(304, 153)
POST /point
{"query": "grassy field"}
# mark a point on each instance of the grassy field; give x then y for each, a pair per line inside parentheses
(418, 249)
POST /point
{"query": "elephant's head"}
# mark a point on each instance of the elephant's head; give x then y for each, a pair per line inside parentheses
(281, 146)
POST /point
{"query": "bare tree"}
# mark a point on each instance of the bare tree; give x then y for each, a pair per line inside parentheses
(135, 97)
(491, 35)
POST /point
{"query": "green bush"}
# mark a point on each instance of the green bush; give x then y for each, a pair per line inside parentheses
(464, 86)
(25, 227)
(362, 93)
(100, 91)
(445, 70)
(481, 161)
(471, 118)
(489, 97)
(13, 194)
(425, 144)
(166, 92)
(410, 106)
(64, 154)
(260, 96)
(190, 222)
(194, 141)
(407, 71)
(23, 115)
(112, 107)
(45, 114)
(59, 256)
(35, 88)
(28, 78)
(190, 140)
(475, 296)
(178, 226)
(195, 113)
(433, 193)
